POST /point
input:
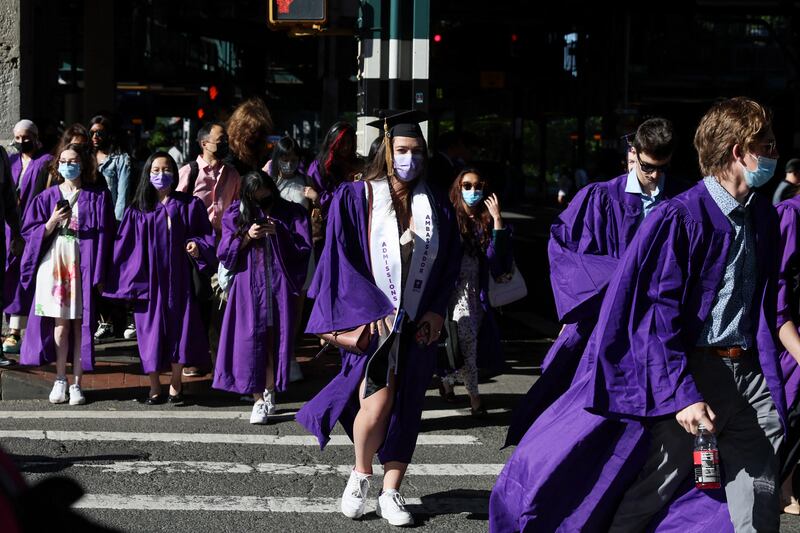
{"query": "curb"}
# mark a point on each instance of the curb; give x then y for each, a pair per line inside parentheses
(21, 386)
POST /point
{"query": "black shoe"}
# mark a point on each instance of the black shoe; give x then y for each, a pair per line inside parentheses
(178, 398)
(449, 397)
(480, 412)
(158, 399)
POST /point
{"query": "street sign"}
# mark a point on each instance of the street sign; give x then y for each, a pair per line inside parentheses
(298, 12)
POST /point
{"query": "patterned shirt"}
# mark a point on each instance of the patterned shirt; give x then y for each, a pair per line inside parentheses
(729, 323)
(648, 201)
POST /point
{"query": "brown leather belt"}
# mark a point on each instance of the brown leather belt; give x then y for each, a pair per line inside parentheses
(732, 352)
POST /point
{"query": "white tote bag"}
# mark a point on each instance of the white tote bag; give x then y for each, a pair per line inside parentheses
(508, 290)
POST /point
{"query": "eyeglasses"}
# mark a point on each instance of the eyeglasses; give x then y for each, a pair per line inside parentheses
(467, 186)
(97, 133)
(649, 168)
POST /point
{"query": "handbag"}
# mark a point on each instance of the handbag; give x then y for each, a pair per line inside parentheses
(508, 289)
(354, 340)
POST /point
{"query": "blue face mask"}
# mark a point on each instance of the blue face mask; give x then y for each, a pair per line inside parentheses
(70, 171)
(471, 198)
(761, 175)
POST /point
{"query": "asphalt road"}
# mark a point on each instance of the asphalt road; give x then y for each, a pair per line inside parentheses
(203, 467)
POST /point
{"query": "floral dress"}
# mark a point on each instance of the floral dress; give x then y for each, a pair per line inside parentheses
(58, 279)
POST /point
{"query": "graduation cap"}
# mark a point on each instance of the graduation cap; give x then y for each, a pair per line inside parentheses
(398, 124)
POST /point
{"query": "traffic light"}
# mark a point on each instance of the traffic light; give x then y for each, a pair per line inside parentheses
(298, 12)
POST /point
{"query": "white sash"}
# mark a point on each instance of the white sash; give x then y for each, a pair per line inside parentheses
(384, 243)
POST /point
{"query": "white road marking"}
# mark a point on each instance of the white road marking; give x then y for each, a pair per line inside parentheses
(139, 502)
(215, 438)
(191, 415)
(215, 467)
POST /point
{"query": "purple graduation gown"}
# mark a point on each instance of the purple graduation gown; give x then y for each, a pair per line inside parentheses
(788, 305)
(586, 243)
(574, 464)
(346, 296)
(96, 225)
(17, 302)
(151, 268)
(242, 355)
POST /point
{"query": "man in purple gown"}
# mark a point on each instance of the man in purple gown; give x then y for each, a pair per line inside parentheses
(586, 243)
(685, 336)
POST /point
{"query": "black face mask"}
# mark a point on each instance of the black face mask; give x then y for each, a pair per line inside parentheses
(24, 147)
(222, 150)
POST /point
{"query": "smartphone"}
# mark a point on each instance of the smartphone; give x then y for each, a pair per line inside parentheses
(261, 221)
(63, 204)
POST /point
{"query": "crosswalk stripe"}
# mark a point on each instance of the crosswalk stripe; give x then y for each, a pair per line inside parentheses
(215, 438)
(215, 467)
(192, 415)
(143, 502)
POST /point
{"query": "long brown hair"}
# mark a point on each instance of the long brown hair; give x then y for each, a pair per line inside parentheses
(401, 197)
(474, 230)
(248, 128)
(88, 166)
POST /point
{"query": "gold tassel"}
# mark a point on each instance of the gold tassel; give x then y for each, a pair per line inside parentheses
(387, 149)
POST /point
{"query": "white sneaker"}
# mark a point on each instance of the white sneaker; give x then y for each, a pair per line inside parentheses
(392, 507)
(295, 374)
(259, 413)
(354, 497)
(130, 332)
(59, 392)
(269, 399)
(76, 397)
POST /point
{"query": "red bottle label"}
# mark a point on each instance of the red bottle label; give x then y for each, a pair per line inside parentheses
(706, 469)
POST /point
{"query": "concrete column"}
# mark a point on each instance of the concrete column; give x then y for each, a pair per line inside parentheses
(98, 52)
(12, 61)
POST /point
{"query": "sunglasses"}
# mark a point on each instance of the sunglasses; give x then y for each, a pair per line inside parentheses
(98, 133)
(770, 146)
(649, 168)
(467, 186)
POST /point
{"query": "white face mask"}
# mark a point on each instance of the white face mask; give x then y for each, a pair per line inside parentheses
(407, 166)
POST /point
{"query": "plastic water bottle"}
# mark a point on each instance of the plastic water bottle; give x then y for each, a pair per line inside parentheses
(706, 460)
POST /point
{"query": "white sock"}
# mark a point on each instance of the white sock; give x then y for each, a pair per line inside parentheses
(361, 475)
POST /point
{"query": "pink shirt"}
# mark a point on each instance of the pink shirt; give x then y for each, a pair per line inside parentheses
(216, 186)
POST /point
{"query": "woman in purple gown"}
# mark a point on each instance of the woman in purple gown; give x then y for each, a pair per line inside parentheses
(162, 233)
(390, 261)
(68, 233)
(28, 166)
(265, 248)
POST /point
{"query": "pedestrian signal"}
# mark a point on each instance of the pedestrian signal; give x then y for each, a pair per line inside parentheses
(298, 12)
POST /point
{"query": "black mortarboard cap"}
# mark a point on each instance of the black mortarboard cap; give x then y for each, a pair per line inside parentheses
(400, 123)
